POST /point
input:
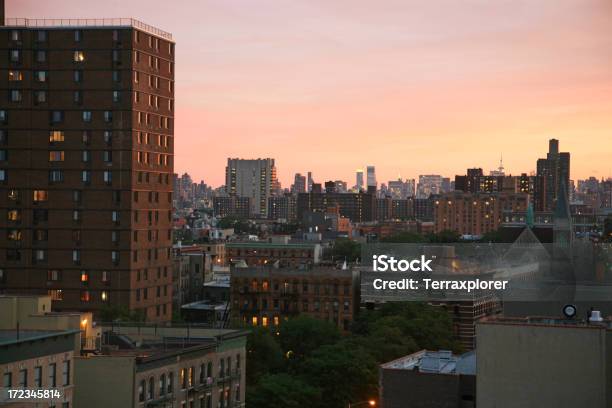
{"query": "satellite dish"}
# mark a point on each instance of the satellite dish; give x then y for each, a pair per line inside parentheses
(569, 311)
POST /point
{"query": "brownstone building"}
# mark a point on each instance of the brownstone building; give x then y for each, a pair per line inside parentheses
(263, 296)
(475, 213)
(86, 158)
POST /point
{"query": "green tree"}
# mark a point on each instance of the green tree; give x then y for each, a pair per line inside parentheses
(264, 355)
(607, 232)
(342, 372)
(282, 391)
(444, 237)
(345, 248)
(302, 335)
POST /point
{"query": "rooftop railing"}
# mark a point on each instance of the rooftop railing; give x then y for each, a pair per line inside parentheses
(85, 22)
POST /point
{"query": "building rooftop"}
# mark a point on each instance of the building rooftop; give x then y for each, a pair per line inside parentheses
(57, 23)
(437, 362)
(205, 305)
(264, 244)
(547, 321)
(266, 270)
(8, 337)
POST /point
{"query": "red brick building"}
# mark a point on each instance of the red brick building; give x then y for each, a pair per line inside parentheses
(86, 163)
(475, 213)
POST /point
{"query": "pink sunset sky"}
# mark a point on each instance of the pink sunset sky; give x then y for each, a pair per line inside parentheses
(412, 87)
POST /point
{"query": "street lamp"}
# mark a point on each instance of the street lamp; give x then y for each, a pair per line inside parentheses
(370, 403)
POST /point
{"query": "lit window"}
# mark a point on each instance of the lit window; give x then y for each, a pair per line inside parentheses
(40, 195)
(13, 215)
(86, 116)
(84, 277)
(85, 296)
(15, 75)
(78, 56)
(56, 156)
(56, 136)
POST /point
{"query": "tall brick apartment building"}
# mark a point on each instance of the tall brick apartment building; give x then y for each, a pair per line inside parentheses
(86, 163)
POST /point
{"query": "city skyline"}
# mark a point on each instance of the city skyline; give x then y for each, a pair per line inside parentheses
(499, 78)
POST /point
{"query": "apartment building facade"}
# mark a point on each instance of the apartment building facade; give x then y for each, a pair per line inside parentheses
(86, 163)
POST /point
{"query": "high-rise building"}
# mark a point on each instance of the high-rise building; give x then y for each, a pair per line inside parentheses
(429, 184)
(341, 186)
(87, 176)
(358, 207)
(475, 214)
(358, 180)
(254, 179)
(371, 176)
(552, 172)
(310, 181)
(400, 189)
(299, 184)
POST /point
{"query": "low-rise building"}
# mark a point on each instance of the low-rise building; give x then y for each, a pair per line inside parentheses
(429, 379)
(263, 296)
(544, 362)
(262, 253)
(152, 366)
(38, 359)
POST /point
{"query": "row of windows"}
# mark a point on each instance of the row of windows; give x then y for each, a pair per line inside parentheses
(57, 176)
(42, 36)
(78, 56)
(77, 197)
(40, 256)
(147, 389)
(148, 138)
(78, 35)
(145, 293)
(293, 286)
(37, 378)
(57, 136)
(17, 75)
(286, 305)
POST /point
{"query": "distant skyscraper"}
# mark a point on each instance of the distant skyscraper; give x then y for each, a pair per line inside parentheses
(359, 180)
(255, 179)
(400, 189)
(299, 184)
(310, 181)
(371, 176)
(429, 184)
(552, 172)
(341, 186)
(500, 170)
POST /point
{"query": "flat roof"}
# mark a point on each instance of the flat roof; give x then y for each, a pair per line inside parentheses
(8, 337)
(436, 362)
(546, 321)
(58, 23)
(269, 245)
